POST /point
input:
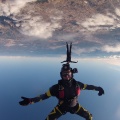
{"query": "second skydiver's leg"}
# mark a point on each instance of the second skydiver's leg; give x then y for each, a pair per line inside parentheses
(67, 59)
(84, 113)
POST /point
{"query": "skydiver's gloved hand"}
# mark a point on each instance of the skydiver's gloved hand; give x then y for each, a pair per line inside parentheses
(101, 91)
(25, 101)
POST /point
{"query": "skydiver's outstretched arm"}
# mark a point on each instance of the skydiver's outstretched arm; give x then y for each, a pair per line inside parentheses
(51, 92)
(27, 101)
(92, 87)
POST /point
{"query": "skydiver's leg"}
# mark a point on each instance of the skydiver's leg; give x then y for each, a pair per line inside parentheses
(70, 47)
(67, 48)
(54, 114)
(70, 52)
(83, 113)
(67, 59)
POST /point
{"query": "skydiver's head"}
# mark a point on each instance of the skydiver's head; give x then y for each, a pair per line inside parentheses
(66, 72)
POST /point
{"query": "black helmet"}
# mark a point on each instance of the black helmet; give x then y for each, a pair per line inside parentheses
(66, 68)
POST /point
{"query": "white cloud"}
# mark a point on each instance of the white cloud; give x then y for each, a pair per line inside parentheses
(108, 48)
(117, 11)
(12, 6)
(10, 43)
(84, 50)
(105, 48)
(100, 21)
(68, 37)
(114, 56)
(97, 21)
(37, 27)
(113, 60)
(29, 25)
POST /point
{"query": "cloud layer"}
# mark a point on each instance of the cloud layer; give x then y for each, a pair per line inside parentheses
(36, 24)
(13, 6)
(102, 22)
(32, 26)
(108, 48)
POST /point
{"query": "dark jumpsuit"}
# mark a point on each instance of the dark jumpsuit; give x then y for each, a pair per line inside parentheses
(70, 101)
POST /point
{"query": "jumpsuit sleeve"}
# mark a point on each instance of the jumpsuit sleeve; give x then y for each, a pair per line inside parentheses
(44, 96)
(87, 87)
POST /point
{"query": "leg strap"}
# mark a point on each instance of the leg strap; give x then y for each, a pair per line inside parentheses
(54, 114)
(84, 113)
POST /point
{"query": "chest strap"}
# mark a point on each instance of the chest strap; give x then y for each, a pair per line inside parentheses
(62, 92)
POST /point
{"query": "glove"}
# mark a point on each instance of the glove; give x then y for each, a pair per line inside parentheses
(101, 91)
(25, 101)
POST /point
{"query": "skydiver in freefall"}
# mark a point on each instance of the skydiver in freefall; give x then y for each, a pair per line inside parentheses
(68, 59)
(66, 91)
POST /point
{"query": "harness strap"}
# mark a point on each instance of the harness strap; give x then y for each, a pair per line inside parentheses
(61, 89)
(77, 89)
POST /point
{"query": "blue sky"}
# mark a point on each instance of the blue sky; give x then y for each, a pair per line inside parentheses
(32, 76)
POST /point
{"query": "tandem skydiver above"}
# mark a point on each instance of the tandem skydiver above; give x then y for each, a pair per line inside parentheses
(66, 91)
